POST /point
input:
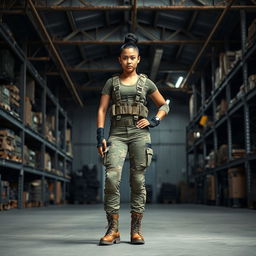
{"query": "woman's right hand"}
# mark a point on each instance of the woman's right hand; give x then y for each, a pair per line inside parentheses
(102, 148)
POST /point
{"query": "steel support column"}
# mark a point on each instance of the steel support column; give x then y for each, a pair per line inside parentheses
(43, 189)
(20, 188)
(229, 130)
(202, 89)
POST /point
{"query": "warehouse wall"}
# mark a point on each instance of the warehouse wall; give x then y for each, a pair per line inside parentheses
(168, 141)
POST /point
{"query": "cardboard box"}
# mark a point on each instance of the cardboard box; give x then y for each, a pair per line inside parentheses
(58, 192)
(47, 162)
(187, 193)
(252, 82)
(25, 198)
(236, 183)
(14, 102)
(30, 90)
(68, 135)
(50, 136)
(51, 191)
(13, 89)
(7, 142)
(26, 154)
(223, 107)
(30, 157)
(211, 160)
(218, 77)
(222, 155)
(37, 118)
(7, 132)
(69, 149)
(4, 97)
(252, 30)
(211, 187)
(50, 120)
(238, 153)
(228, 58)
(28, 112)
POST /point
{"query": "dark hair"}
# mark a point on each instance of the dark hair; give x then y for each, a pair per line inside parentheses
(130, 41)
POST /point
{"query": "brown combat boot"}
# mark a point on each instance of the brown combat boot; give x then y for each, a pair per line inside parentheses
(136, 235)
(112, 235)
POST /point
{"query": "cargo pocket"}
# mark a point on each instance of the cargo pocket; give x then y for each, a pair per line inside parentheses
(104, 161)
(105, 157)
(149, 155)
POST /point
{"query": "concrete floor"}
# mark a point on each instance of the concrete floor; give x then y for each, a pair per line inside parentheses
(180, 230)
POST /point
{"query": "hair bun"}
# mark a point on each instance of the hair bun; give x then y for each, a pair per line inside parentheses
(130, 38)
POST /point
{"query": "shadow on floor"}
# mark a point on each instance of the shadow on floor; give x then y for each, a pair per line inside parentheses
(72, 241)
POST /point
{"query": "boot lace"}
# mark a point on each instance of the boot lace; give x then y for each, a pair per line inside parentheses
(111, 225)
(137, 225)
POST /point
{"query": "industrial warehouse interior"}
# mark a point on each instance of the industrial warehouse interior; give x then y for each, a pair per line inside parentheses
(200, 181)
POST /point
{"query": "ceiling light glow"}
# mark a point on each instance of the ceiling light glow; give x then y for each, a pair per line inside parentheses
(179, 81)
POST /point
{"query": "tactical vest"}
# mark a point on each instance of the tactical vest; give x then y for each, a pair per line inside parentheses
(137, 107)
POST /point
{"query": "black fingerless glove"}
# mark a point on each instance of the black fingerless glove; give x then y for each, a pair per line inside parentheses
(100, 136)
(155, 121)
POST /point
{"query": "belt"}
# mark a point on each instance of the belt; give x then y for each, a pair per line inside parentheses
(123, 122)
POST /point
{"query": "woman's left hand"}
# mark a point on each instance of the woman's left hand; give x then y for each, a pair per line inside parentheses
(142, 123)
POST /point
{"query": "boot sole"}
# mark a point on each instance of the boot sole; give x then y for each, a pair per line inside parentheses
(116, 241)
(137, 242)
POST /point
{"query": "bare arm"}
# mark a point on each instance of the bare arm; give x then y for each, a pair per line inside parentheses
(102, 110)
(159, 100)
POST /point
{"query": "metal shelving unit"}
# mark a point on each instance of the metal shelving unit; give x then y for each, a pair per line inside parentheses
(210, 136)
(20, 169)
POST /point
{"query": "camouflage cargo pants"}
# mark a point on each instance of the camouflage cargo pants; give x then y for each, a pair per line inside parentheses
(137, 142)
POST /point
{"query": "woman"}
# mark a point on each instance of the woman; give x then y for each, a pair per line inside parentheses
(129, 132)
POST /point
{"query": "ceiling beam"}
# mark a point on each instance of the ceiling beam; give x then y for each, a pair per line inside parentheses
(18, 10)
(142, 42)
(156, 63)
(37, 21)
(39, 58)
(125, 7)
(119, 42)
(214, 29)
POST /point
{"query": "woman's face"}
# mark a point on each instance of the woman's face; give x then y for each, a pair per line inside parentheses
(129, 59)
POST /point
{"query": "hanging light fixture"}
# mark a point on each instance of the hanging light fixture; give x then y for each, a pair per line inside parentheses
(179, 81)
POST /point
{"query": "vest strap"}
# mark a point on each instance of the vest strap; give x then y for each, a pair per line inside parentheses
(137, 108)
